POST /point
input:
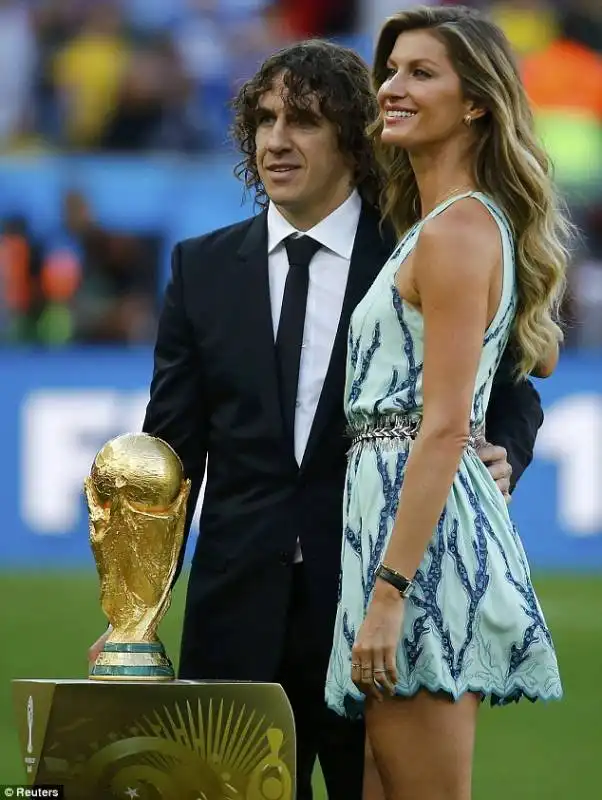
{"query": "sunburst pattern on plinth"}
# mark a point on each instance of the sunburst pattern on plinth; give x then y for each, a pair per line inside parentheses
(215, 751)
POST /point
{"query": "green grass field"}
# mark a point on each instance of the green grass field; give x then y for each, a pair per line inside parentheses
(524, 752)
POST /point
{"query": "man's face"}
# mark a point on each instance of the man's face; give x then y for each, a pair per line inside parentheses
(298, 157)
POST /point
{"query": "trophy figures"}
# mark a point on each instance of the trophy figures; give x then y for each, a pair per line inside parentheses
(137, 495)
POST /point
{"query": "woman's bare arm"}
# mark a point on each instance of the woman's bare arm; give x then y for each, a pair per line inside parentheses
(454, 267)
(547, 365)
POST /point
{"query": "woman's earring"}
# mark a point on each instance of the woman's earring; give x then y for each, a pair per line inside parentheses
(468, 120)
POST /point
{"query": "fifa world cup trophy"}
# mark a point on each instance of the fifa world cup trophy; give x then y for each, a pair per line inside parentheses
(137, 495)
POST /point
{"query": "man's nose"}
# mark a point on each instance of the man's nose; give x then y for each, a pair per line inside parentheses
(279, 135)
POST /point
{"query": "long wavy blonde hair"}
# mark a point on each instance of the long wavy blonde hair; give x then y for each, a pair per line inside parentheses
(509, 165)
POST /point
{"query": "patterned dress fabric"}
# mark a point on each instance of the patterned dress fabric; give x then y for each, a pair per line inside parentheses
(473, 621)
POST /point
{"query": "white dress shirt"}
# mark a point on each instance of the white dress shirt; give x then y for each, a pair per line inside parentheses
(328, 273)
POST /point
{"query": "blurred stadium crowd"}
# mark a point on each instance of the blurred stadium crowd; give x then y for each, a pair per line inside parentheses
(148, 78)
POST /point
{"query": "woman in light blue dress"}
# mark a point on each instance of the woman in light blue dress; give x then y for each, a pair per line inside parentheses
(437, 610)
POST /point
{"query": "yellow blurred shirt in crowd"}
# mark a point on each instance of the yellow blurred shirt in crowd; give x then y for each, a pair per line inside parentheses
(528, 29)
(88, 72)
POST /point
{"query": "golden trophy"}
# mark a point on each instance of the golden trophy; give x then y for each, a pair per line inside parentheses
(137, 495)
(130, 729)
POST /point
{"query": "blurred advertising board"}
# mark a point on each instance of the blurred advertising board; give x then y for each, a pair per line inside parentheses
(58, 408)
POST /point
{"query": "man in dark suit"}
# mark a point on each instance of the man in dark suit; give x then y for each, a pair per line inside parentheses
(249, 374)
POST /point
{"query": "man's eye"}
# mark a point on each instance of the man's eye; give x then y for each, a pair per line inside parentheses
(302, 121)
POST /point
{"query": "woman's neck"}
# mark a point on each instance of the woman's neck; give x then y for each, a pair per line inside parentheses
(439, 178)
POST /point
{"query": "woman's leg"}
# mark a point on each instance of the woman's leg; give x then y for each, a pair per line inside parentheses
(423, 745)
(373, 787)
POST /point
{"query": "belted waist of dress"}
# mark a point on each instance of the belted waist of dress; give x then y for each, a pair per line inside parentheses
(392, 428)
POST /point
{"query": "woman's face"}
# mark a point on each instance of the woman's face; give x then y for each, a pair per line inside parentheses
(421, 100)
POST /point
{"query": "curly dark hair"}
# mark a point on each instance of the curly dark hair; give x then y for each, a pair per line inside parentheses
(341, 82)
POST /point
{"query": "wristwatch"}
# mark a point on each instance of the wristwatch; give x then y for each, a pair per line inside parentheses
(396, 579)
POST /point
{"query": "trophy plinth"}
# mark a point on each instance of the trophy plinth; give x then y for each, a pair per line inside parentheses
(136, 495)
(177, 740)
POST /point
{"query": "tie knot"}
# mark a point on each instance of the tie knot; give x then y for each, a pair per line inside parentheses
(300, 250)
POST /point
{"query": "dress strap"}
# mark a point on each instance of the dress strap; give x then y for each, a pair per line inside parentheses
(446, 204)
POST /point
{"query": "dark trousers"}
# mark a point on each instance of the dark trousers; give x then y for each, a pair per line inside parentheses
(337, 742)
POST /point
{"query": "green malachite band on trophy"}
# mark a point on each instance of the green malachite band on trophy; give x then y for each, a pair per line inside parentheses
(130, 672)
(133, 647)
(142, 660)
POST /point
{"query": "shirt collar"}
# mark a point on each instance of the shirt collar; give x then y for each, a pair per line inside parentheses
(335, 232)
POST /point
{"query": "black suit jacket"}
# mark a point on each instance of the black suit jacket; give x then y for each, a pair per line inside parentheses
(214, 394)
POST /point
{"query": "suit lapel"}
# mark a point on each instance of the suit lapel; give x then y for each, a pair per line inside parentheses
(370, 251)
(255, 290)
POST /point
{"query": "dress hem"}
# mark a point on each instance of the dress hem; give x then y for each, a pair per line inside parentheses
(353, 705)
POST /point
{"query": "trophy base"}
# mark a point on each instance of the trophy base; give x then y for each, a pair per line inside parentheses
(175, 740)
(132, 661)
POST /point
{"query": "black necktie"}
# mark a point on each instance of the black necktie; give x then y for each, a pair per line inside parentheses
(289, 339)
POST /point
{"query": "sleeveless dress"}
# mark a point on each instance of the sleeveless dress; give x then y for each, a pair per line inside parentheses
(473, 621)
